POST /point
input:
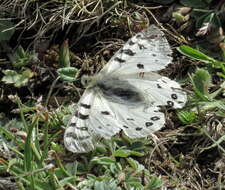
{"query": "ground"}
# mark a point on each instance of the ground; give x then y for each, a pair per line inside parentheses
(45, 48)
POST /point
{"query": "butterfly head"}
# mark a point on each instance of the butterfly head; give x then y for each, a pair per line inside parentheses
(86, 80)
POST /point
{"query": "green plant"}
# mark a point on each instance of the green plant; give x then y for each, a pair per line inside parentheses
(198, 55)
(66, 72)
(17, 79)
(201, 80)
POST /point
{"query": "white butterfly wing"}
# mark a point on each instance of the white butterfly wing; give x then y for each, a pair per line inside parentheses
(138, 121)
(147, 51)
(133, 65)
(103, 121)
(160, 92)
(77, 137)
(93, 119)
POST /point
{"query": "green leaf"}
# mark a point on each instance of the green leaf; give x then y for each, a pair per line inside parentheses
(10, 77)
(206, 22)
(104, 160)
(106, 185)
(121, 153)
(17, 79)
(64, 55)
(186, 117)
(202, 81)
(154, 183)
(23, 58)
(20, 52)
(68, 73)
(135, 164)
(6, 30)
(195, 54)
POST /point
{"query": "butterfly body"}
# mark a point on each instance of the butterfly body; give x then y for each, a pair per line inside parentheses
(126, 94)
(118, 90)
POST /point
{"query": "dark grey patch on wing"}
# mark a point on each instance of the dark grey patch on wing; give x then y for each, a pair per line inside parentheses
(131, 42)
(74, 136)
(130, 119)
(82, 128)
(128, 52)
(87, 106)
(125, 126)
(120, 91)
(119, 60)
(153, 54)
(148, 124)
(105, 113)
(140, 66)
(138, 129)
(81, 116)
(72, 124)
(138, 36)
(153, 36)
(174, 96)
(170, 103)
(180, 102)
(141, 46)
(155, 118)
(158, 86)
(100, 127)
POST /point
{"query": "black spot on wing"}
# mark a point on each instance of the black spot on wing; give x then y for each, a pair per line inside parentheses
(73, 124)
(153, 36)
(141, 46)
(82, 128)
(105, 113)
(125, 126)
(119, 60)
(138, 129)
(148, 124)
(170, 103)
(128, 52)
(74, 136)
(131, 42)
(154, 55)
(87, 106)
(174, 96)
(140, 66)
(155, 118)
(130, 119)
(138, 36)
(158, 86)
(81, 116)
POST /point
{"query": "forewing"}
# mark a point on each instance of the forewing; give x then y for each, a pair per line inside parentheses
(147, 51)
(77, 136)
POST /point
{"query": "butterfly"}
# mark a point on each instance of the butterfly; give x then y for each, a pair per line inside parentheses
(126, 94)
